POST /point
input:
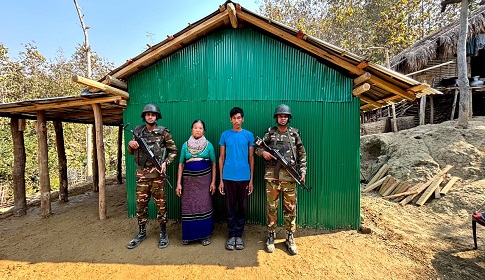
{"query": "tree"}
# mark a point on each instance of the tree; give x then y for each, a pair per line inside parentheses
(356, 25)
(464, 111)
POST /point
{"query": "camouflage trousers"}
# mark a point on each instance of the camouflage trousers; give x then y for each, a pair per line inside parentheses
(150, 183)
(273, 190)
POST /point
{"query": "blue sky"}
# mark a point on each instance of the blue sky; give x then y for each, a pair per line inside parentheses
(119, 30)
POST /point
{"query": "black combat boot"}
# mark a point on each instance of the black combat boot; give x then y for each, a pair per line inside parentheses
(269, 246)
(163, 236)
(290, 243)
(142, 235)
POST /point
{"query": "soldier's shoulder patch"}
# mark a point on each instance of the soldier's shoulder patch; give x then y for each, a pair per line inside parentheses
(161, 129)
(272, 129)
(293, 130)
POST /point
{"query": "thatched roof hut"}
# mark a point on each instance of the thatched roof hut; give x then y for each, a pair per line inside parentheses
(438, 45)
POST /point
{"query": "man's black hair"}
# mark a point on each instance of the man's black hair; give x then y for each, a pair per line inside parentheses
(235, 111)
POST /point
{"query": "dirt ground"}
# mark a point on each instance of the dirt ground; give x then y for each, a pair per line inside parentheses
(433, 241)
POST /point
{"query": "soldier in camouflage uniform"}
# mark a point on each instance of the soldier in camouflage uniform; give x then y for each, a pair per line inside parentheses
(287, 141)
(149, 180)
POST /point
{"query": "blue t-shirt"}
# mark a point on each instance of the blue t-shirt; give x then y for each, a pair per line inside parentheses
(236, 164)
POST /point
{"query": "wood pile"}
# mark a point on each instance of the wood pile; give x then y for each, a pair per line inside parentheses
(405, 192)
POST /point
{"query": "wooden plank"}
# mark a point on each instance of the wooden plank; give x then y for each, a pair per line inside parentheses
(401, 188)
(391, 187)
(437, 192)
(376, 184)
(173, 45)
(429, 191)
(410, 197)
(425, 185)
(382, 171)
(414, 190)
(387, 184)
(448, 185)
(61, 104)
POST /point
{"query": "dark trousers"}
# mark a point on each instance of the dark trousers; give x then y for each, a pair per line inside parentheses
(236, 206)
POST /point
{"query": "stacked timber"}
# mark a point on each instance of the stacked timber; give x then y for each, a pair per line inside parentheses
(405, 192)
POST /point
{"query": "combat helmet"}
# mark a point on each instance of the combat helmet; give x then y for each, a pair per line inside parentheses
(151, 108)
(282, 109)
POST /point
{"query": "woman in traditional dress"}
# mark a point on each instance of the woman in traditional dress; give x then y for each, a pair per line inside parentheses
(196, 182)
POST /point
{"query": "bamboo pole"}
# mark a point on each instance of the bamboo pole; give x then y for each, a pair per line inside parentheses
(43, 160)
(106, 88)
(98, 123)
(454, 105)
(18, 174)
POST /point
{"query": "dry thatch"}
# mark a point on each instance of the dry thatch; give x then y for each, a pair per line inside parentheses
(438, 45)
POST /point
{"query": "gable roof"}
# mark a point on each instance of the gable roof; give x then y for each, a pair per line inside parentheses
(383, 85)
(439, 44)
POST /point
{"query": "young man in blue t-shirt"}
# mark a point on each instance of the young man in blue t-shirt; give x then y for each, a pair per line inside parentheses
(236, 164)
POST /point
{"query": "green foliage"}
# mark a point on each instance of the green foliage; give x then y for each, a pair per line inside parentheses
(31, 76)
(356, 25)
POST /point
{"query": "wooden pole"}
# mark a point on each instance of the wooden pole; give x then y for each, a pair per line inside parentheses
(394, 121)
(454, 105)
(361, 89)
(119, 174)
(61, 157)
(98, 123)
(43, 159)
(100, 86)
(95, 161)
(422, 110)
(18, 174)
(112, 81)
(470, 97)
(431, 109)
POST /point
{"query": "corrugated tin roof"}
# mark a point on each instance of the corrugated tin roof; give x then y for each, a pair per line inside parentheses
(386, 85)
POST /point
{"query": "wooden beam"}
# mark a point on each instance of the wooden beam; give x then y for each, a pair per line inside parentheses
(335, 59)
(390, 87)
(361, 89)
(112, 81)
(422, 110)
(18, 173)
(43, 160)
(232, 15)
(108, 89)
(172, 46)
(62, 104)
(101, 164)
(448, 185)
(363, 64)
(418, 88)
(370, 101)
(362, 78)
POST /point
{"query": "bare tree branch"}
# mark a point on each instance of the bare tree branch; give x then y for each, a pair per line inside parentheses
(447, 2)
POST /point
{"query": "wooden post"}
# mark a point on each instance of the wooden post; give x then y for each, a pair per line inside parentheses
(61, 157)
(95, 161)
(431, 109)
(18, 174)
(422, 110)
(119, 174)
(454, 105)
(471, 102)
(394, 121)
(98, 123)
(43, 159)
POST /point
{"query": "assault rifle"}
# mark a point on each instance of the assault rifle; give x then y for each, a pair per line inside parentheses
(144, 146)
(282, 161)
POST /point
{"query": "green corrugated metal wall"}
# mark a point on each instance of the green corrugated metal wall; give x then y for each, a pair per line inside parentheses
(241, 67)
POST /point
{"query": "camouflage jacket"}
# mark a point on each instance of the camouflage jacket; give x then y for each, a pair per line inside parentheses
(289, 144)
